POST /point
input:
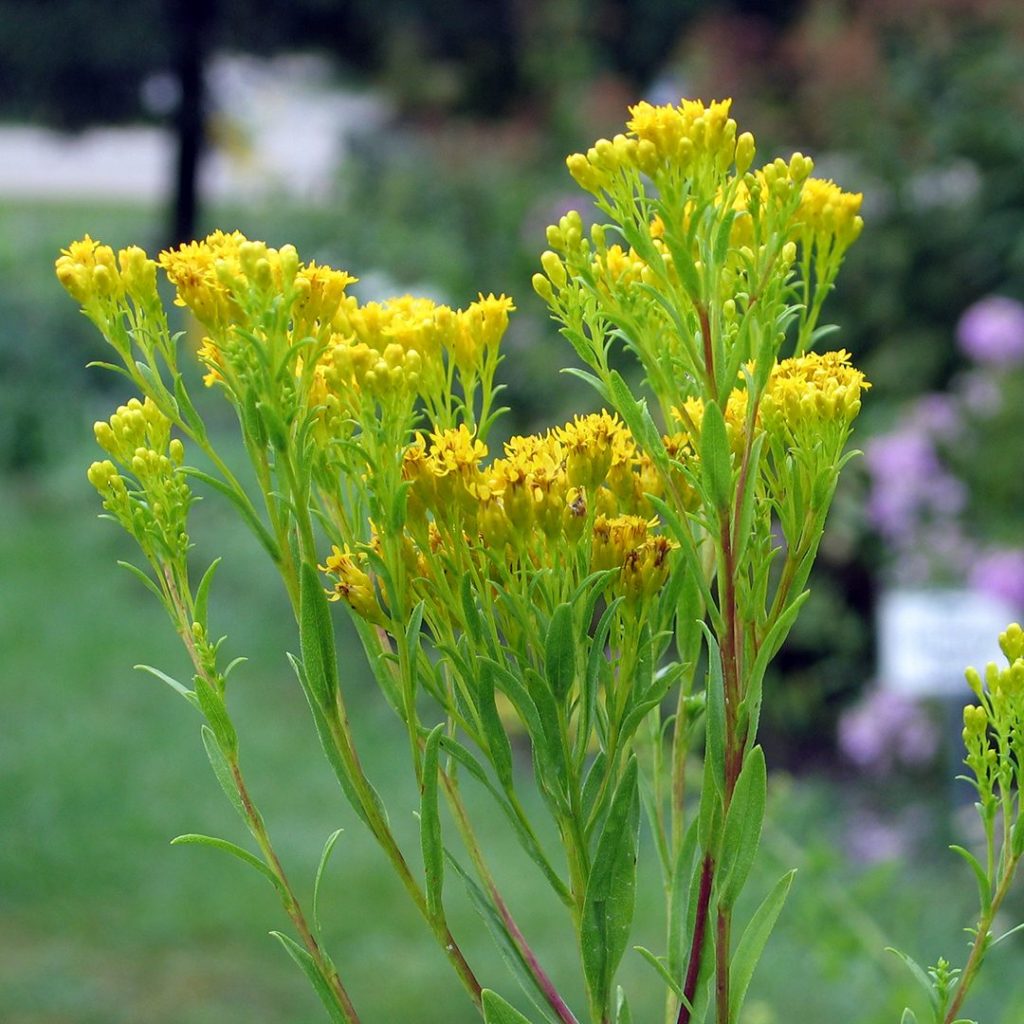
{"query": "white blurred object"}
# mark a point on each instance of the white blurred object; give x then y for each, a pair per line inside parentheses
(926, 638)
(278, 127)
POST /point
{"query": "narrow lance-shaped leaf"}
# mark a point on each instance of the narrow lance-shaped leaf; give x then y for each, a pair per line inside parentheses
(715, 459)
(325, 856)
(497, 1011)
(611, 889)
(315, 978)
(560, 653)
(195, 839)
(430, 827)
(751, 945)
(743, 822)
(316, 638)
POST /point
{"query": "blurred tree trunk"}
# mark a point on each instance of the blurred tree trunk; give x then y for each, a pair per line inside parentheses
(191, 23)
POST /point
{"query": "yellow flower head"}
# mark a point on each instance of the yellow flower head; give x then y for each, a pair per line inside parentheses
(204, 274)
(88, 270)
(826, 211)
(805, 392)
(629, 543)
(589, 443)
(318, 291)
(686, 132)
(352, 584)
(481, 327)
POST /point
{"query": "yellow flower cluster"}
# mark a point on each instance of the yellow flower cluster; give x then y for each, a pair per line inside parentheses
(805, 392)
(827, 212)
(532, 505)
(90, 271)
(629, 542)
(682, 137)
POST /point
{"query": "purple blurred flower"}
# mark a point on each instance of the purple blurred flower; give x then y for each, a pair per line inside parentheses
(938, 415)
(1000, 573)
(992, 331)
(886, 730)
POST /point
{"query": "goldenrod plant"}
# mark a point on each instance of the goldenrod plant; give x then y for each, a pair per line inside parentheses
(609, 592)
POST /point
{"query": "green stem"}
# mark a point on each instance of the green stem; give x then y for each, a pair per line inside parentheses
(540, 977)
(344, 745)
(981, 941)
(289, 900)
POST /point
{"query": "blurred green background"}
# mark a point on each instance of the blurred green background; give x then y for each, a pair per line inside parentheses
(446, 185)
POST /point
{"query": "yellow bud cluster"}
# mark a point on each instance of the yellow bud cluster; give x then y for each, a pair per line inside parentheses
(810, 390)
(827, 212)
(89, 271)
(479, 331)
(352, 584)
(133, 426)
(154, 508)
(1011, 642)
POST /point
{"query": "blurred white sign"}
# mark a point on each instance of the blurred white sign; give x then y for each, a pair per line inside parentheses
(926, 638)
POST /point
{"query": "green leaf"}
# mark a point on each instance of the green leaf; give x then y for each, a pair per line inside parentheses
(470, 611)
(769, 647)
(308, 965)
(325, 856)
(497, 1011)
(235, 850)
(638, 419)
(506, 946)
(212, 705)
(743, 822)
(430, 828)
(611, 889)
(682, 871)
(745, 522)
(715, 458)
(984, 886)
(316, 638)
(919, 974)
(709, 811)
(560, 653)
(715, 716)
(751, 945)
(242, 504)
(498, 745)
(188, 411)
(203, 592)
(334, 758)
(145, 580)
(171, 682)
(909, 1017)
(1017, 837)
(528, 842)
(663, 971)
(1006, 935)
(222, 771)
(548, 744)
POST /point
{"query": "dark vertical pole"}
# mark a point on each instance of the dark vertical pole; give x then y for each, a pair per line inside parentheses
(191, 23)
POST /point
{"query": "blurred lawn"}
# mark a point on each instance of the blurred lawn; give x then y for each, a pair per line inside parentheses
(102, 921)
